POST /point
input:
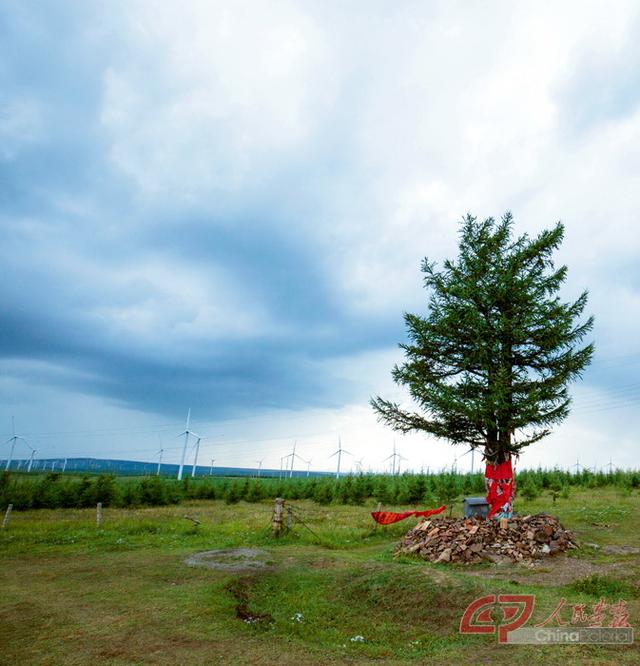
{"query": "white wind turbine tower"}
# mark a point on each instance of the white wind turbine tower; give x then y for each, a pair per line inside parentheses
(359, 465)
(13, 439)
(472, 451)
(186, 434)
(393, 457)
(339, 453)
(309, 466)
(259, 466)
(284, 465)
(195, 458)
(211, 468)
(33, 452)
(293, 456)
(160, 452)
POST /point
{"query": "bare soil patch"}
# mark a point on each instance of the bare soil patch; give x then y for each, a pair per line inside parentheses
(230, 559)
(556, 571)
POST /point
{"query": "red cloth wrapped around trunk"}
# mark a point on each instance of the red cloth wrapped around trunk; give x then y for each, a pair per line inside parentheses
(499, 471)
(388, 517)
(500, 488)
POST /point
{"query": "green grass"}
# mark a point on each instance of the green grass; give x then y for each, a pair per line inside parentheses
(605, 586)
(75, 594)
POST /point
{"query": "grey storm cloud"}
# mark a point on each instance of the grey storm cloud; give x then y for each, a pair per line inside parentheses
(225, 205)
(50, 301)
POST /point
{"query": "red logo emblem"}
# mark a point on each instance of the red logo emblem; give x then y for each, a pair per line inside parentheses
(478, 618)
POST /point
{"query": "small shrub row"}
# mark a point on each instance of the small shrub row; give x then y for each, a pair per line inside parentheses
(55, 490)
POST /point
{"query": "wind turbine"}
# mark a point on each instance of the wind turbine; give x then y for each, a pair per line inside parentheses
(195, 458)
(186, 434)
(211, 468)
(339, 453)
(293, 458)
(577, 465)
(259, 466)
(13, 439)
(309, 466)
(64, 466)
(471, 451)
(160, 452)
(33, 452)
(284, 465)
(359, 465)
(393, 457)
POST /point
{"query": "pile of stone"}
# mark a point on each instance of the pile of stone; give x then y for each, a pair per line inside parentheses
(468, 540)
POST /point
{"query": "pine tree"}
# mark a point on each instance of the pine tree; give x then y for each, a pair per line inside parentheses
(490, 364)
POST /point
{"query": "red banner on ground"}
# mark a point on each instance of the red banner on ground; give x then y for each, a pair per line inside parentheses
(388, 517)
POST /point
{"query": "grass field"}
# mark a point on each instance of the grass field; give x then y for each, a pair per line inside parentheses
(75, 594)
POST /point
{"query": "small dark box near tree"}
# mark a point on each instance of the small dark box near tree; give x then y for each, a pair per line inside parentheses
(475, 506)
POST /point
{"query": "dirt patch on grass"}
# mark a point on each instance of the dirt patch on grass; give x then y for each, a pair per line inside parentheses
(230, 559)
(559, 570)
(240, 589)
(621, 550)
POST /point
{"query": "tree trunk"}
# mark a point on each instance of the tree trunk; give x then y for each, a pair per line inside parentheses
(500, 484)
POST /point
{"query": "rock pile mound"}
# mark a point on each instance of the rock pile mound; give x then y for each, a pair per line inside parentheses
(468, 540)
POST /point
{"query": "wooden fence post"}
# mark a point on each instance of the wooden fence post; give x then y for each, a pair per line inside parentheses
(277, 516)
(5, 521)
(99, 515)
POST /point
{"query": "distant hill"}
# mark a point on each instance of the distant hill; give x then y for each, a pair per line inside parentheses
(137, 468)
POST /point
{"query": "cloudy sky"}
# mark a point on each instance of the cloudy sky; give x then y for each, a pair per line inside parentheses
(223, 206)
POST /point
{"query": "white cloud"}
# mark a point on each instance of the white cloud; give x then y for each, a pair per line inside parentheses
(213, 96)
(21, 125)
(373, 132)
